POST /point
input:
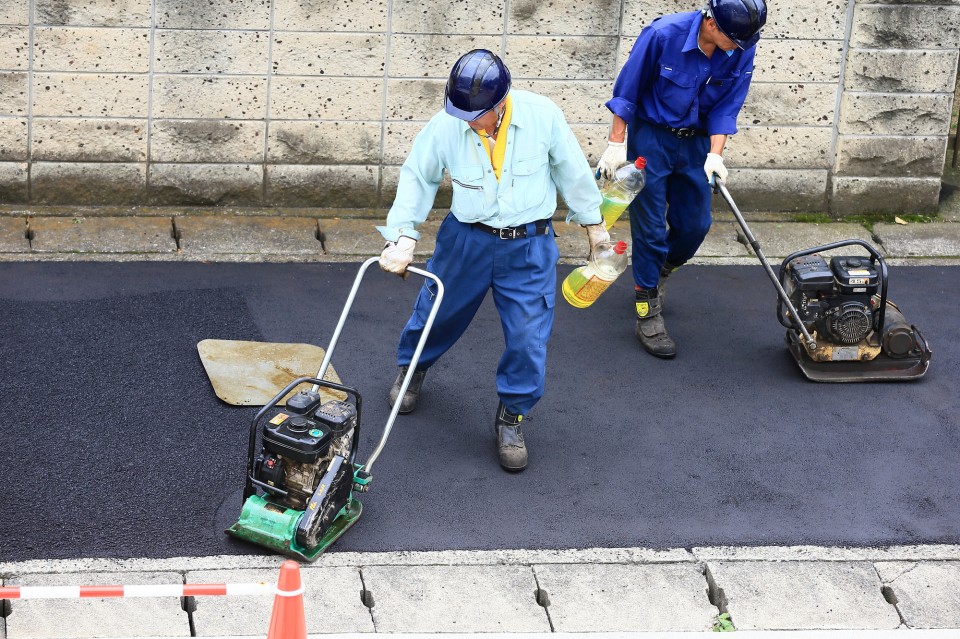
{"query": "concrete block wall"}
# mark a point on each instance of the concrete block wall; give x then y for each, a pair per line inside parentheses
(895, 111)
(315, 103)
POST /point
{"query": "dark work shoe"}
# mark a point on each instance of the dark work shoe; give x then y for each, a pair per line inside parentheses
(409, 401)
(510, 446)
(651, 331)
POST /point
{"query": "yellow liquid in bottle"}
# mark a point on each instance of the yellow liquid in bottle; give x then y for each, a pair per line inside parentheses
(611, 210)
(583, 286)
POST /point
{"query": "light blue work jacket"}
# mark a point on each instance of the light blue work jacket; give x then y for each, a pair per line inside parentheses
(542, 156)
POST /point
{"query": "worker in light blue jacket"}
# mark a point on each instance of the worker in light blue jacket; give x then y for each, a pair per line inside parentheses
(507, 153)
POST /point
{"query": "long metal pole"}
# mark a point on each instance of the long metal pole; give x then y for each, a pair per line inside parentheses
(412, 368)
(811, 343)
(413, 362)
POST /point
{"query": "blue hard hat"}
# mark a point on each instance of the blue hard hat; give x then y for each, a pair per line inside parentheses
(739, 20)
(478, 82)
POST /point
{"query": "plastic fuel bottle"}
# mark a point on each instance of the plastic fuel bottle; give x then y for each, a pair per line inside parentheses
(585, 284)
(620, 191)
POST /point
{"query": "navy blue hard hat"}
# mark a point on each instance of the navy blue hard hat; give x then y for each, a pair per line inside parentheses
(739, 20)
(478, 82)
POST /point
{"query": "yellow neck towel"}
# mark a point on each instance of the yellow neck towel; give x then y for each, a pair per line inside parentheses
(497, 151)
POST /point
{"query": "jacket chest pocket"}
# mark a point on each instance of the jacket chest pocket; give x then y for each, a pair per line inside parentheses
(717, 87)
(467, 183)
(676, 91)
(530, 177)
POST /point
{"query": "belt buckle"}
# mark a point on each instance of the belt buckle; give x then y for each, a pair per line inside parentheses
(686, 132)
(507, 233)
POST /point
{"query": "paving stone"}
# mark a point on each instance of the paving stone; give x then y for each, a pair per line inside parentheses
(83, 183)
(625, 598)
(112, 617)
(205, 184)
(936, 239)
(274, 235)
(111, 95)
(723, 240)
(331, 603)
(102, 235)
(765, 595)
(13, 235)
(215, 97)
(871, 195)
(104, 50)
(326, 186)
(359, 236)
(927, 593)
(779, 239)
(458, 599)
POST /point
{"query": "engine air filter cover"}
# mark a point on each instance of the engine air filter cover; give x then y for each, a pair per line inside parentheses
(811, 273)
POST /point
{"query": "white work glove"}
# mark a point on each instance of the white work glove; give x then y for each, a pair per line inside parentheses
(714, 164)
(612, 159)
(396, 256)
(596, 233)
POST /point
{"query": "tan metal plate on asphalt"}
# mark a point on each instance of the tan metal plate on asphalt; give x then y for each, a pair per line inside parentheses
(252, 373)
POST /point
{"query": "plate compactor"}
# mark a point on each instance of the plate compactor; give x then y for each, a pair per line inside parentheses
(301, 462)
(840, 325)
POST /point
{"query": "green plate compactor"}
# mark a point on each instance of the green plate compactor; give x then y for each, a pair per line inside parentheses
(302, 473)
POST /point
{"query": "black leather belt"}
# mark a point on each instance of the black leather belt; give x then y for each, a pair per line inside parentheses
(514, 232)
(683, 132)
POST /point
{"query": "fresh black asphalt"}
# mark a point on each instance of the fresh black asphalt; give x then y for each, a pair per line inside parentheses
(114, 444)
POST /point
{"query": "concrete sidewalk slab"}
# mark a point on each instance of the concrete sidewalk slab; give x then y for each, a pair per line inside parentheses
(102, 235)
(454, 599)
(723, 240)
(331, 602)
(779, 239)
(351, 236)
(625, 598)
(82, 618)
(263, 235)
(13, 235)
(801, 595)
(927, 594)
(934, 239)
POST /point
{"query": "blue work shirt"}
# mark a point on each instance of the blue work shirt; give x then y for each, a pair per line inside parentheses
(542, 156)
(668, 81)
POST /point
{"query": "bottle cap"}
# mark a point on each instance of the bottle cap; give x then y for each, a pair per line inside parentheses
(640, 162)
(620, 247)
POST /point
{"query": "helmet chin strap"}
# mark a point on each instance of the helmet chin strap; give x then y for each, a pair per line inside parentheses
(496, 129)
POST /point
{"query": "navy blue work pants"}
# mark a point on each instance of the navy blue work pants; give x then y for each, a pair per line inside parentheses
(523, 277)
(670, 217)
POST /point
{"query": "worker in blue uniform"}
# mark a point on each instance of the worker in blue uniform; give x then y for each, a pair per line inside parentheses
(675, 101)
(508, 153)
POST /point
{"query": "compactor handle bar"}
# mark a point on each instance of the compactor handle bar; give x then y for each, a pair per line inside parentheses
(808, 339)
(413, 361)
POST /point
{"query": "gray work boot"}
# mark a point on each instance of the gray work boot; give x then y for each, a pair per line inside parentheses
(510, 447)
(650, 328)
(410, 398)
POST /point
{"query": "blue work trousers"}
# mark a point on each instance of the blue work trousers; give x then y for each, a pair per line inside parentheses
(670, 217)
(523, 276)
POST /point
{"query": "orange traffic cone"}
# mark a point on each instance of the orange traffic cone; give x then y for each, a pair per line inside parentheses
(288, 620)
